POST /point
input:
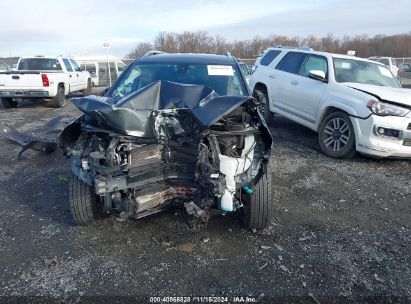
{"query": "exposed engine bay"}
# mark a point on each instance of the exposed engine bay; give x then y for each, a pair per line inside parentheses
(166, 145)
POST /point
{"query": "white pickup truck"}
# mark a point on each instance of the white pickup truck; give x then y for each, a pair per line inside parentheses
(43, 77)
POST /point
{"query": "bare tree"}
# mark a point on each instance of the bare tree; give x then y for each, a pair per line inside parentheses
(140, 49)
(202, 42)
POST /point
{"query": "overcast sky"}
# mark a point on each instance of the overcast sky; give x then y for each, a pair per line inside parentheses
(55, 27)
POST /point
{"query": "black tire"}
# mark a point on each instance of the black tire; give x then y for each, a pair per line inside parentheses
(336, 135)
(59, 100)
(258, 207)
(8, 103)
(87, 91)
(268, 116)
(83, 202)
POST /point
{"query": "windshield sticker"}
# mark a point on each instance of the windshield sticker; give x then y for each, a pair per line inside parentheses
(346, 65)
(220, 70)
(385, 71)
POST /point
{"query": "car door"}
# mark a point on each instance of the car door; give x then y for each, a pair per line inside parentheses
(283, 78)
(304, 95)
(70, 72)
(79, 77)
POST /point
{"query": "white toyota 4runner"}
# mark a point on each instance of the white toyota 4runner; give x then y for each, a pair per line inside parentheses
(354, 104)
(43, 77)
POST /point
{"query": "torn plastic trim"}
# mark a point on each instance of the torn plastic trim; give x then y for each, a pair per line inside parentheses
(232, 167)
(359, 117)
(79, 172)
(29, 142)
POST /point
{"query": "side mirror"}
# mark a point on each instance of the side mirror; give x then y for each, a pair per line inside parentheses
(317, 75)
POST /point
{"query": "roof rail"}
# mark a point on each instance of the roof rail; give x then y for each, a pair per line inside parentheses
(153, 53)
(304, 48)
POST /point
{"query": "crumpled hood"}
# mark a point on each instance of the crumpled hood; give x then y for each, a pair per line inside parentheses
(395, 95)
(138, 114)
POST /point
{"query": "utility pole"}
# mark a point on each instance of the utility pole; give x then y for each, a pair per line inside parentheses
(106, 45)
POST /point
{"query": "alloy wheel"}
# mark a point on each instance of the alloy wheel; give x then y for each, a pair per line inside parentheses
(336, 134)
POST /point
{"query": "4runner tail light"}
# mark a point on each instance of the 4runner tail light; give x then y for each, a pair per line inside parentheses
(45, 80)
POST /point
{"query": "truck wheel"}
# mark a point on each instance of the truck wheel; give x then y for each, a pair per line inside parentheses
(83, 202)
(59, 100)
(336, 135)
(87, 91)
(259, 207)
(265, 107)
(8, 103)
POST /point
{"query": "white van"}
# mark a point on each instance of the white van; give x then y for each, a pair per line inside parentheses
(98, 67)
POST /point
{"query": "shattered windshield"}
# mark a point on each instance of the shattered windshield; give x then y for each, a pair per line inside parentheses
(223, 79)
(358, 71)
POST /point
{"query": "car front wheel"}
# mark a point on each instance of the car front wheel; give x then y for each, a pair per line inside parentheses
(83, 202)
(336, 135)
(258, 207)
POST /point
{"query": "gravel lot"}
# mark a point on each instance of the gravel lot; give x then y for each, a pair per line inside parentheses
(341, 232)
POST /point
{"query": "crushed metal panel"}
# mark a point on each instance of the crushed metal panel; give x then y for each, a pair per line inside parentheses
(136, 114)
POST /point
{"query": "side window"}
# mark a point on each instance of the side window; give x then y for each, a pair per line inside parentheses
(88, 67)
(291, 62)
(67, 65)
(314, 62)
(91, 68)
(244, 69)
(269, 57)
(75, 66)
(121, 66)
(103, 67)
(384, 61)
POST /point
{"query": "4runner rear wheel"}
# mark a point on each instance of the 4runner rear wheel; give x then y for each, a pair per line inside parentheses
(8, 103)
(59, 100)
(259, 207)
(336, 135)
(83, 202)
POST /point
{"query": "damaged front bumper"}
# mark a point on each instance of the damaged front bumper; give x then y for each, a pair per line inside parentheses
(384, 136)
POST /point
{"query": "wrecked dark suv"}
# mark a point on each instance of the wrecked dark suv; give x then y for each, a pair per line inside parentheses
(175, 130)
